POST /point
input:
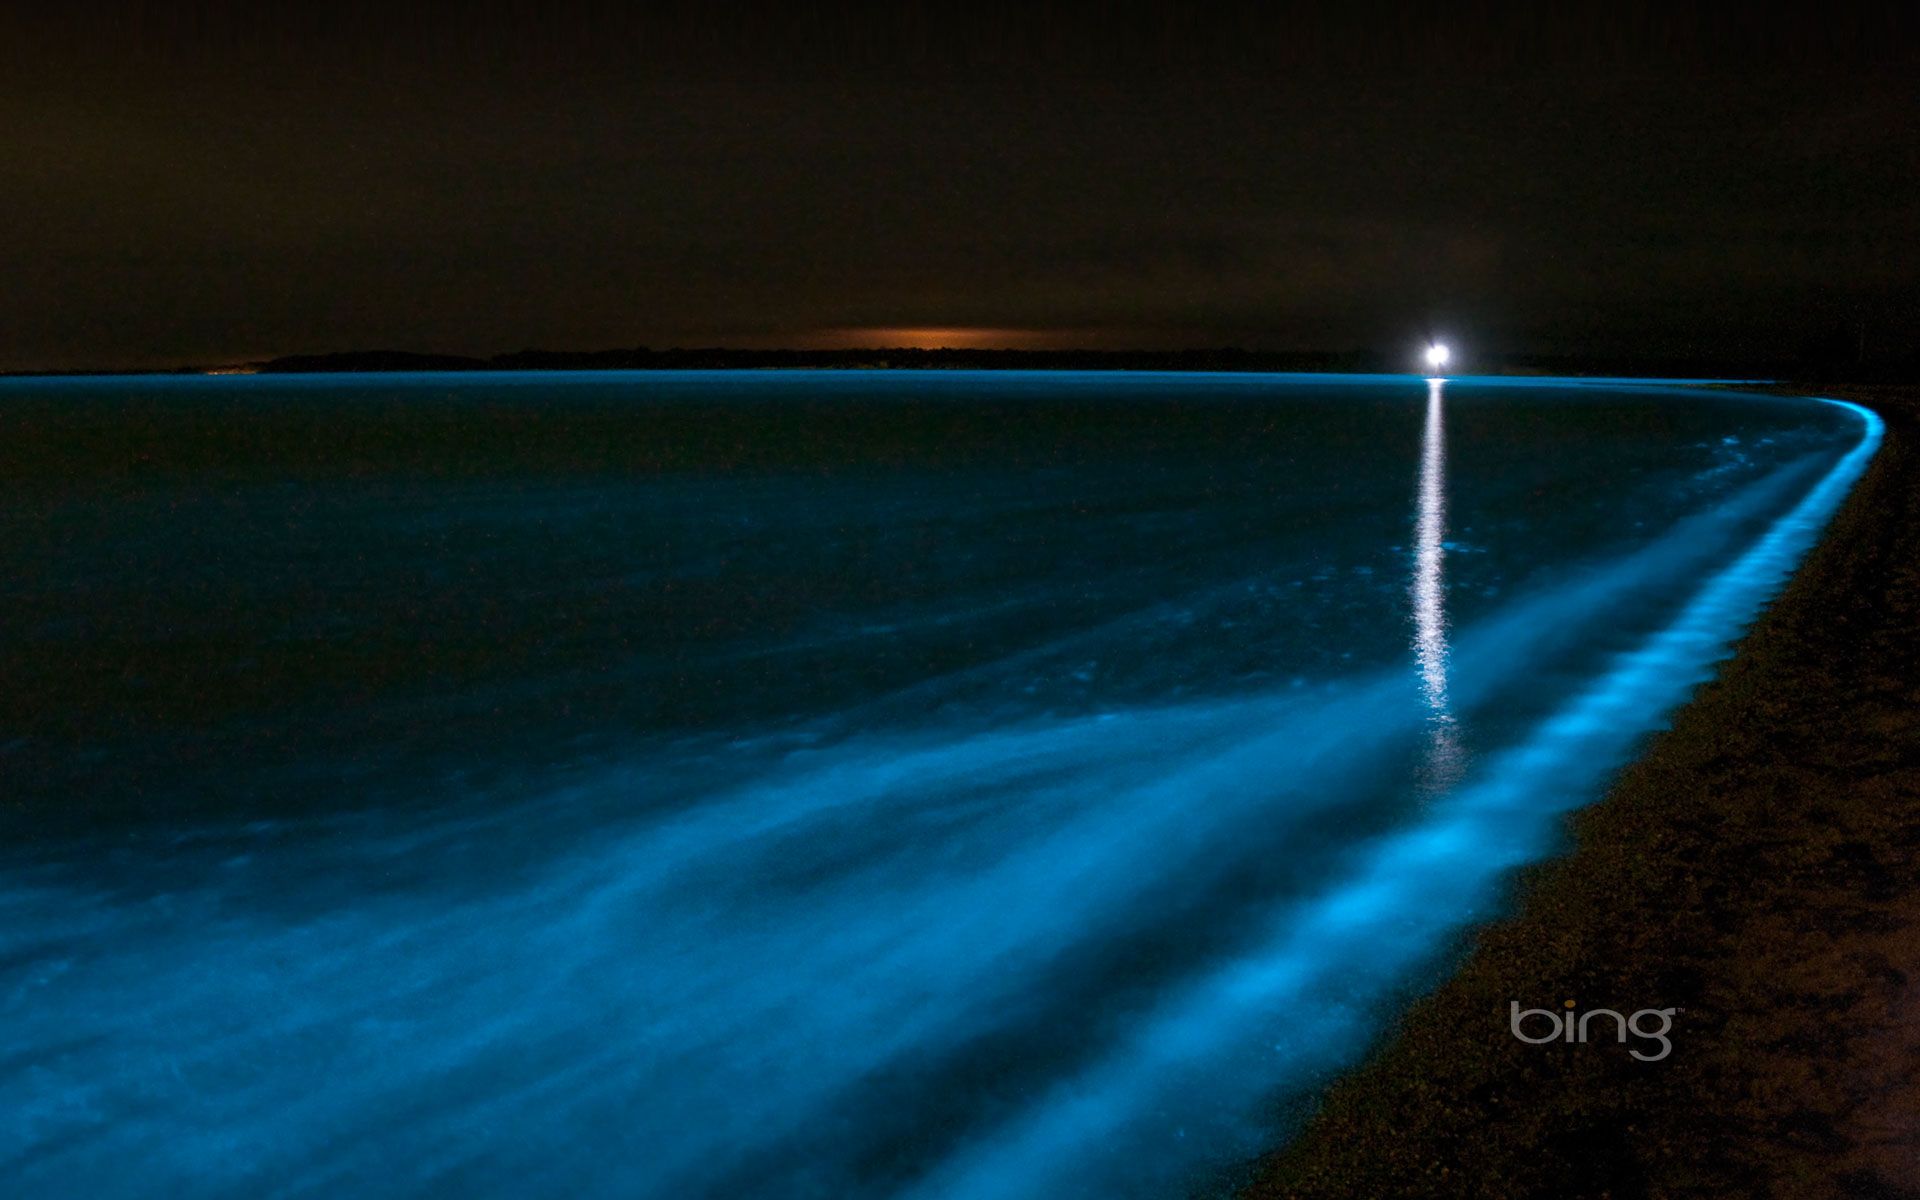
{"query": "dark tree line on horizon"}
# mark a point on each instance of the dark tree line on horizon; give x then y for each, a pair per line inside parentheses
(1839, 355)
(1829, 358)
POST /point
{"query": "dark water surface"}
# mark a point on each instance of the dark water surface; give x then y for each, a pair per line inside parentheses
(804, 784)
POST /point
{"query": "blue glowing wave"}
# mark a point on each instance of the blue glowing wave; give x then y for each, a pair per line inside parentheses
(1310, 996)
(745, 995)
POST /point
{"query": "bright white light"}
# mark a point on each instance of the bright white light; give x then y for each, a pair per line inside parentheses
(1437, 355)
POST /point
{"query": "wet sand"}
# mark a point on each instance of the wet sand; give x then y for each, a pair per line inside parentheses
(1758, 870)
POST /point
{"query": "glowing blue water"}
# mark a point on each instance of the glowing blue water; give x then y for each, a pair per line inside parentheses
(946, 785)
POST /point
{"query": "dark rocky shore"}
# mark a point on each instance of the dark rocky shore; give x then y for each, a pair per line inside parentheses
(1759, 871)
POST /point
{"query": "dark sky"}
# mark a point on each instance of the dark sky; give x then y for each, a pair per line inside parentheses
(491, 178)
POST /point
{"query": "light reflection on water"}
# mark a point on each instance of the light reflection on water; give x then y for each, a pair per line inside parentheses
(1445, 760)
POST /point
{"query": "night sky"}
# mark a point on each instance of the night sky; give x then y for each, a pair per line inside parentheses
(493, 179)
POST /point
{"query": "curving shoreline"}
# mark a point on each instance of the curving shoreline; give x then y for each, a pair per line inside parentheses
(1751, 870)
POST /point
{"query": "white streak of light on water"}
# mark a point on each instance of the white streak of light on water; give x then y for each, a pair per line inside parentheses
(1445, 761)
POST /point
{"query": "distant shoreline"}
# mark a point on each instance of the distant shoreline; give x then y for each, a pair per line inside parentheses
(1227, 358)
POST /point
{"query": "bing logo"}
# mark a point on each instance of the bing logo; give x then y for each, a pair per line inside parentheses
(1567, 1027)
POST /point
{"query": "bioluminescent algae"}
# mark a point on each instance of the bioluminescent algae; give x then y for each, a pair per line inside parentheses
(686, 785)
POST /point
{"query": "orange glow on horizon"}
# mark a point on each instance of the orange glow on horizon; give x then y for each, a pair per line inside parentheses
(885, 337)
